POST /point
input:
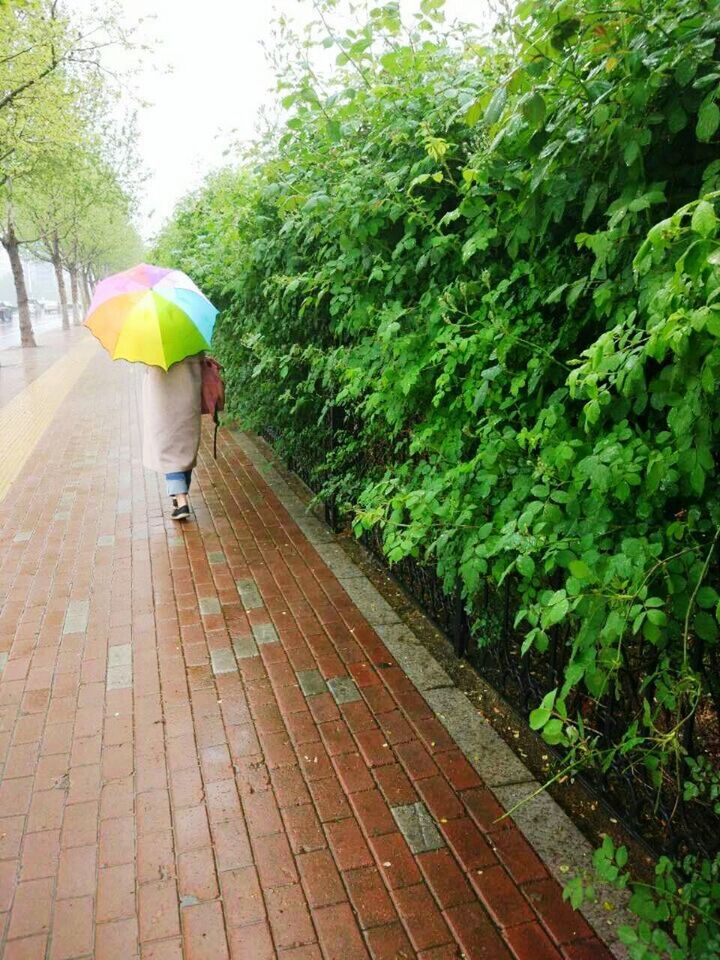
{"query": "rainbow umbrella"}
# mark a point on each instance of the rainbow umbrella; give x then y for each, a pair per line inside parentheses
(151, 315)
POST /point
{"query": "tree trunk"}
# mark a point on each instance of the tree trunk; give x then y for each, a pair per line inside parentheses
(75, 294)
(60, 280)
(86, 291)
(12, 248)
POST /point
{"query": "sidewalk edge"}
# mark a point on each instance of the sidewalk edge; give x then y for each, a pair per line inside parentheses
(554, 836)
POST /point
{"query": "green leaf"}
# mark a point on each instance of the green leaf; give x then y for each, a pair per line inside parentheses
(631, 152)
(496, 106)
(526, 566)
(706, 597)
(473, 113)
(556, 609)
(706, 627)
(708, 121)
(533, 109)
(579, 569)
(540, 715)
(704, 220)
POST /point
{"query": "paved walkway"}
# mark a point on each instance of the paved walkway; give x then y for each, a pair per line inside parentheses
(207, 752)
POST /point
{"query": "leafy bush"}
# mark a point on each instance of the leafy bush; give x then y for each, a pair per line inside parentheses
(483, 280)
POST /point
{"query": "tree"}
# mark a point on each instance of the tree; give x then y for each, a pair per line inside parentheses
(52, 79)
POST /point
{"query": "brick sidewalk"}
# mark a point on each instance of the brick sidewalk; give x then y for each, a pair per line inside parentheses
(208, 753)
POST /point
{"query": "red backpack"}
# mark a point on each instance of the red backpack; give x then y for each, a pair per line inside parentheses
(213, 393)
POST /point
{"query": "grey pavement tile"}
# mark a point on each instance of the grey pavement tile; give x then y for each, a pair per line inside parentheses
(373, 606)
(311, 682)
(3, 661)
(107, 540)
(315, 531)
(338, 561)
(119, 677)
(209, 605)
(76, 617)
(175, 541)
(223, 661)
(485, 749)
(343, 689)
(249, 594)
(396, 632)
(245, 647)
(215, 557)
(61, 515)
(120, 654)
(422, 668)
(264, 633)
(124, 505)
(22, 537)
(418, 827)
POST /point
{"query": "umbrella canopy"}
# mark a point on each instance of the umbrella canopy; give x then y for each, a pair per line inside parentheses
(151, 315)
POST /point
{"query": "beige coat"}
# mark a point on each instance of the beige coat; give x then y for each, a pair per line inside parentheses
(171, 415)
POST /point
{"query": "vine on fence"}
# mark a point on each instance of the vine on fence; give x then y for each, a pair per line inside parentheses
(500, 260)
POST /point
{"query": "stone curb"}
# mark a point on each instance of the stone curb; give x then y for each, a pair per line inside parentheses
(546, 826)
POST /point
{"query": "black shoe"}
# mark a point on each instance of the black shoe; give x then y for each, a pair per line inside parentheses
(180, 513)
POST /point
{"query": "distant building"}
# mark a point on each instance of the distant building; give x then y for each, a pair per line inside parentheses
(39, 277)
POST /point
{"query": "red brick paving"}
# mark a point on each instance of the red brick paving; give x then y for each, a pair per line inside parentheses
(203, 816)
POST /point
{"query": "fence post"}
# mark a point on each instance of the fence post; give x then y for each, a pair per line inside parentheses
(459, 623)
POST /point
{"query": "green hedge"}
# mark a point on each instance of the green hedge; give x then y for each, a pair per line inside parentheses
(502, 263)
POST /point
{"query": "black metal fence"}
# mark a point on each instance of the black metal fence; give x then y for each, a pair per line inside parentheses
(483, 633)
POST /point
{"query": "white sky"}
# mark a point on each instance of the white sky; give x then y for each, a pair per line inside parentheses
(218, 81)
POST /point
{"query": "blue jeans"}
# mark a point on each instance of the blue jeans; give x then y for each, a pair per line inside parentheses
(178, 482)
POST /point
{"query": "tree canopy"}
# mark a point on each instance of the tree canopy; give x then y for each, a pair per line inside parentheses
(63, 156)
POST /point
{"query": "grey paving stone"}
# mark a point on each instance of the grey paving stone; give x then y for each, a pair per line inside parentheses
(418, 827)
(107, 540)
(223, 661)
(373, 606)
(315, 531)
(22, 537)
(294, 505)
(396, 632)
(422, 668)
(124, 505)
(338, 561)
(245, 647)
(61, 515)
(485, 749)
(311, 682)
(264, 633)
(175, 541)
(343, 689)
(119, 677)
(216, 556)
(3, 661)
(120, 655)
(76, 617)
(209, 605)
(249, 594)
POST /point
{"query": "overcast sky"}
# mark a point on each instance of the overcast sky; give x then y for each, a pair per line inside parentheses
(218, 81)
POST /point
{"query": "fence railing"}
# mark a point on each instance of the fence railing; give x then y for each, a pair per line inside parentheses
(483, 633)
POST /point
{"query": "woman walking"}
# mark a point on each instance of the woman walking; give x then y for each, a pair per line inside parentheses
(156, 316)
(171, 426)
